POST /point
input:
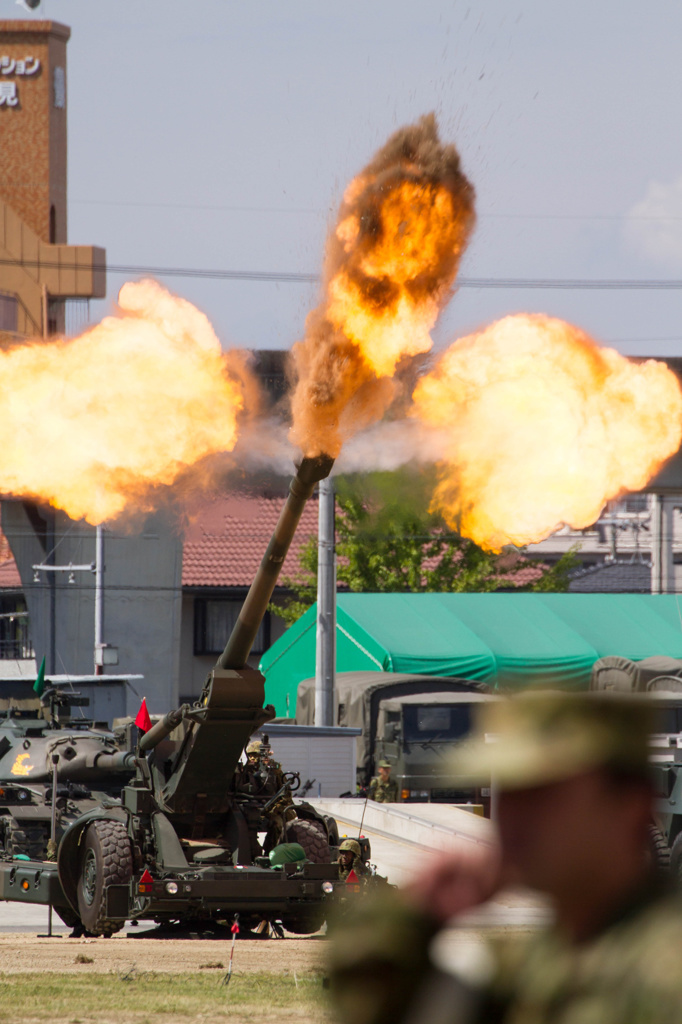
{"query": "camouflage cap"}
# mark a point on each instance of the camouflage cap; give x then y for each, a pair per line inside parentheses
(536, 738)
(385, 764)
(254, 747)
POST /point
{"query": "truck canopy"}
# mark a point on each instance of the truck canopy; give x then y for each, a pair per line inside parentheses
(508, 640)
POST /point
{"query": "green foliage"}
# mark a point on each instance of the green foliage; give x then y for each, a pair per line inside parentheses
(387, 542)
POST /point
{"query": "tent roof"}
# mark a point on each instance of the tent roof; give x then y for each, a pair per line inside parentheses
(508, 640)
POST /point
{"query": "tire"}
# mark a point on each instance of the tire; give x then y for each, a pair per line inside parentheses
(28, 840)
(676, 860)
(313, 839)
(333, 830)
(661, 853)
(304, 923)
(107, 860)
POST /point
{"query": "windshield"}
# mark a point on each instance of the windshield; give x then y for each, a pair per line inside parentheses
(436, 721)
(669, 720)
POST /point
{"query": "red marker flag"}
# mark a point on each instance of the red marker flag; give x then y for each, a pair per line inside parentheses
(142, 720)
(352, 878)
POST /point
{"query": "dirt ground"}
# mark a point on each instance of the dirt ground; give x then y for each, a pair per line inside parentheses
(22, 952)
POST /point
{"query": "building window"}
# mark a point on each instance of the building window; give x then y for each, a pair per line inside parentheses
(15, 641)
(9, 312)
(53, 225)
(59, 83)
(214, 619)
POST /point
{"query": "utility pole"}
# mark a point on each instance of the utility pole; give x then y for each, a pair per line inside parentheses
(662, 570)
(325, 649)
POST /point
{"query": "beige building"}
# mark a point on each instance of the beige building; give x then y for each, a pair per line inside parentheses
(38, 270)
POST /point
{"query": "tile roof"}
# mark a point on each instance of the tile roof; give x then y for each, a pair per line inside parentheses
(9, 574)
(618, 577)
(226, 540)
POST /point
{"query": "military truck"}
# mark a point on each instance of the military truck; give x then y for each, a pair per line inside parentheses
(190, 840)
(412, 721)
(661, 678)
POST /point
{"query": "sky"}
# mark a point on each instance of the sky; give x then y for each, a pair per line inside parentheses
(206, 134)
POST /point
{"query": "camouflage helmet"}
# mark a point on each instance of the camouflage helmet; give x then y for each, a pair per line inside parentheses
(254, 747)
(352, 845)
(385, 764)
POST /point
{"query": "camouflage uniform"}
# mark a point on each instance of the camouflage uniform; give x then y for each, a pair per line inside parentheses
(625, 973)
(628, 974)
(356, 864)
(383, 792)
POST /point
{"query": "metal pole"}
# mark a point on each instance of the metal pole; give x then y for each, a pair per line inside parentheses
(662, 570)
(325, 651)
(53, 829)
(99, 606)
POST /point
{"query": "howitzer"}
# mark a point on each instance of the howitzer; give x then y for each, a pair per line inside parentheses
(186, 842)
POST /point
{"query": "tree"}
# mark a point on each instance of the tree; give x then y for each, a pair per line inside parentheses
(386, 542)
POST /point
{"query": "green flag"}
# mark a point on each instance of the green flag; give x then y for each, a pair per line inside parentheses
(39, 684)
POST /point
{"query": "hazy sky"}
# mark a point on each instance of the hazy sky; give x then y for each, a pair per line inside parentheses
(215, 134)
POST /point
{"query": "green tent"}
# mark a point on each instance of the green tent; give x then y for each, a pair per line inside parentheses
(509, 640)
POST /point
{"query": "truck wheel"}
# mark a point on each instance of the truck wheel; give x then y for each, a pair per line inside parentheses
(661, 854)
(107, 860)
(312, 839)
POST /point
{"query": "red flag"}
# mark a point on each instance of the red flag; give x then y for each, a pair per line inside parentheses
(142, 720)
(352, 878)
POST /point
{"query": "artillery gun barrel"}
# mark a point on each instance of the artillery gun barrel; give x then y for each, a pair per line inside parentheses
(239, 645)
(308, 474)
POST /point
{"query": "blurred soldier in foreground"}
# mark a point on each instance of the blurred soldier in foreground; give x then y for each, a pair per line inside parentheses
(350, 859)
(383, 788)
(575, 803)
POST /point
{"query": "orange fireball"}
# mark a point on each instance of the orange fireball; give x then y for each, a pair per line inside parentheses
(390, 267)
(542, 427)
(89, 423)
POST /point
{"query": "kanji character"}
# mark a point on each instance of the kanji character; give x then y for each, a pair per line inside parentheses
(8, 94)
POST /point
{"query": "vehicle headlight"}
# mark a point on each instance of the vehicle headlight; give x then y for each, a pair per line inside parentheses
(327, 887)
(172, 888)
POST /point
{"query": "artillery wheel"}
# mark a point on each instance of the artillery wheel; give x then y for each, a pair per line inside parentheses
(312, 838)
(107, 860)
(332, 829)
(661, 854)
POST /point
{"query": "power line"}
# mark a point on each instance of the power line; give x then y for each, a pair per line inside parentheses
(135, 204)
(294, 277)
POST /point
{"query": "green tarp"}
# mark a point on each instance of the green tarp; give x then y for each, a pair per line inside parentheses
(509, 640)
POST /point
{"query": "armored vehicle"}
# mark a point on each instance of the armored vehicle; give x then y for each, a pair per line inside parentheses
(197, 835)
(34, 739)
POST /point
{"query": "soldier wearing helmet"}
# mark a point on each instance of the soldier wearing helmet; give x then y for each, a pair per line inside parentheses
(253, 752)
(383, 788)
(350, 859)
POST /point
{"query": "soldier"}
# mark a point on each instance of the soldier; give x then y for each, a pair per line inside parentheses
(574, 811)
(253, 753)
(350, 859)
(383, 788)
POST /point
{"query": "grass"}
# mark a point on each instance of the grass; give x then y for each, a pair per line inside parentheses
(154, 998)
